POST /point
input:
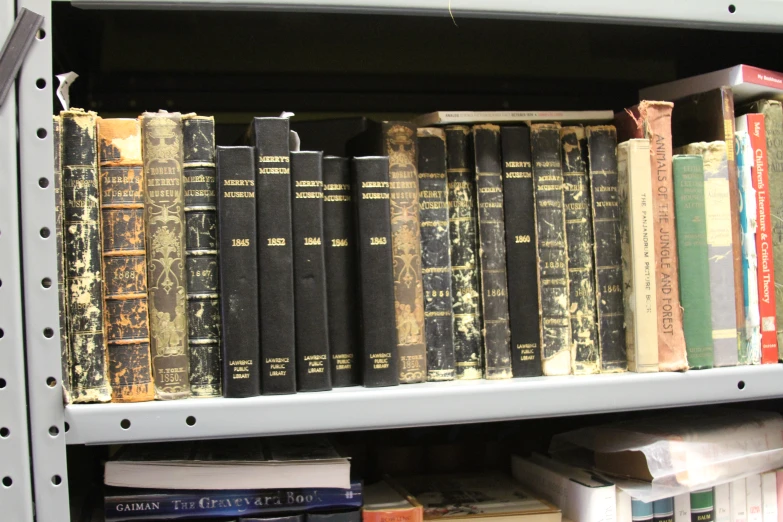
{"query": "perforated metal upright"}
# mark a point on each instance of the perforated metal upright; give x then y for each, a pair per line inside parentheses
(16, 501)
(36, 168)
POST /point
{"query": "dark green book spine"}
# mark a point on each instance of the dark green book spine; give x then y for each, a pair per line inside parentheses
(463, 235)
(492, 237)
(579, 237)
(688, 173)
(604, 198)
(702, 502)
(201, 255)
(435, 262)
(551, 249)
(520, 216)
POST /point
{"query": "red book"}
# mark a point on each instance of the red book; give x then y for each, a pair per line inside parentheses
(766, 268)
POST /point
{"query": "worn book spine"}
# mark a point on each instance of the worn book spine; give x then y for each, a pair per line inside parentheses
(463, 235)
(59, 234)
(652, 120)
(585, 357)
(551, 249)
(719, 244)
(201, 255)
(435, 261)
(340, 258)
(238, 271)
(773, 128)
(164, 218)
(602, 154)
(125, 260)
(399, 144)
(750, 349)
(694, 264)
(83, 270)
(637, 210)
(519, 211)
(275, 255)
(492, 238)
(764, 239)
(376, 272)
(313, 369)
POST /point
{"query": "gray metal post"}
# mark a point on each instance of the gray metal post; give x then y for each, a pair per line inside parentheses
(36, 164)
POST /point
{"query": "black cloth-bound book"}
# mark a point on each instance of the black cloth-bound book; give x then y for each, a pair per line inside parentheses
(376, 276)
(520, 218)
(238, 271)
(340, 257)
(312, 333)
(270, 137)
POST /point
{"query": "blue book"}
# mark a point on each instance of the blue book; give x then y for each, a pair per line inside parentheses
(153, 504)
(640, 511)
(750, 347)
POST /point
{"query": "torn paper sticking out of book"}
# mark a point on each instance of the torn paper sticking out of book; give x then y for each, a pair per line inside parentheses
(664, 456)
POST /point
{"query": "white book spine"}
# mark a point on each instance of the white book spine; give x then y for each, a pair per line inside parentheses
(682, 508)
(769, 497)
(739, 510)
(722, 503)
(624, 510)
(753, 498)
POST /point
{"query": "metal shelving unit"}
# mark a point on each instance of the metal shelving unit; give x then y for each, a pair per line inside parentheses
(338, 410)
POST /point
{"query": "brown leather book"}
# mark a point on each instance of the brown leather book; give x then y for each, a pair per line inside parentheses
(165, 228)
(124, 259)
(653, 120)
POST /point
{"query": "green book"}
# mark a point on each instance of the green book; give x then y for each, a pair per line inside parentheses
(694, 268)
(703, 500)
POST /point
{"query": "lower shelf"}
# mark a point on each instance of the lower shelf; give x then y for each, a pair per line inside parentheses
(427, 404)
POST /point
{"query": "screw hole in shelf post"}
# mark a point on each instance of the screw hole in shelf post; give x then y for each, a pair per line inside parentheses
(67, 427)
(40, 83)
(2, 383)
(48, 333)
(7, 481)
(190, 421)
(1, 282)
(41, 133)
(45, 232)
(54, 431)
(46, 282)
(57, 480)
(41, 34)
(732, 8)
(2, 333)
(741, 385)
(43, 182)
(51, 382)
(4, 432)
(125, 424)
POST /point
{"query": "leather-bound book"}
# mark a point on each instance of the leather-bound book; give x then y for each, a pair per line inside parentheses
(125, 260)
(694, 263)
(164, 218)
(551, 249)
(83, 267)
(313, 368)
(492, 237)
(519, 211)
(773, 127)
(606, 213)
(238, 271)
(378, 332)
(719, 245)
(62, 293)
(709, 116)
(652, 120)
(340, 257)
(270, 138)
(463, 233)
(397, 140)
(201, 255)
(435, 260)
(585, 356)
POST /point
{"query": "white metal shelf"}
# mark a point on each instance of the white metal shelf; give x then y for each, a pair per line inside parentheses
(427, 404)
(727, 14)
